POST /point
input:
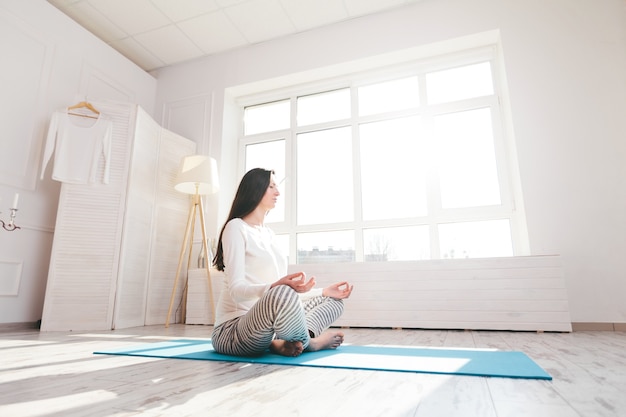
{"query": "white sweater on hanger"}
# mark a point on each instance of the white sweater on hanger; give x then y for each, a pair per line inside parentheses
(78, 143)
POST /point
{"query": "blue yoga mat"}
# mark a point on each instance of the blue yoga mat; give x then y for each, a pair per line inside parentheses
(473, 362)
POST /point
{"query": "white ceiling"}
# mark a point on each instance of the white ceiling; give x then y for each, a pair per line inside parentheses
(158, 33)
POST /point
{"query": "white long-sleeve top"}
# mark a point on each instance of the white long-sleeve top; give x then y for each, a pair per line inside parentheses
(252, 262)
(78, 143)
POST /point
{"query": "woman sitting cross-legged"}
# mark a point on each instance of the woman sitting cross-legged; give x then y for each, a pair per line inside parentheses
(260, 306)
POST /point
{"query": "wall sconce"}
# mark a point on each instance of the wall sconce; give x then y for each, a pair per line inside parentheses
(11, 226)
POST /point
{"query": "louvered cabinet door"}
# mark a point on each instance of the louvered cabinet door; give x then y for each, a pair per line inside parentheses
(84, 262)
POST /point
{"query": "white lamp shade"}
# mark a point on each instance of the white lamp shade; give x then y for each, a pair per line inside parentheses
(197, 173)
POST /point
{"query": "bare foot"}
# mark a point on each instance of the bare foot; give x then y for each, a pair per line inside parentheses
(327, 340)
(285, 348)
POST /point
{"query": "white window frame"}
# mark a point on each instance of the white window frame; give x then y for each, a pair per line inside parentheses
(510, 190)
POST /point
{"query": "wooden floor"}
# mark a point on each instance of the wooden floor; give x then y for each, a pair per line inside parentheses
(56, 374)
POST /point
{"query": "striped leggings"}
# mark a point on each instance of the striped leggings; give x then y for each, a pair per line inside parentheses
(279, 314)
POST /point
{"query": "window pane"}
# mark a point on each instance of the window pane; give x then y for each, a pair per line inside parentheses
(270, 155)
(282, 241)
(393, 169)
(325, 186)
(409, 243)
(459, 83)
(389, 96)
(475, 239)
(467, 161)
(326, 247)
(266, 117)
(324, 107)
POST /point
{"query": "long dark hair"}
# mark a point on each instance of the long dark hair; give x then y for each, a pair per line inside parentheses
(251, 190)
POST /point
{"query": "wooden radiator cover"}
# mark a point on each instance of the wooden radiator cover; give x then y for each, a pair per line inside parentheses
(517, 293)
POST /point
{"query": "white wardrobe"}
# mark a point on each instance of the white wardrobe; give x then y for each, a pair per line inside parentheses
(116, 245)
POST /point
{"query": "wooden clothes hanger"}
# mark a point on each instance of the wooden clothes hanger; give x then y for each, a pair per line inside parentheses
(84, 105)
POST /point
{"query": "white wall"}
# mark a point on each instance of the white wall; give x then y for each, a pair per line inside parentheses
(566, 69)
(48, 62)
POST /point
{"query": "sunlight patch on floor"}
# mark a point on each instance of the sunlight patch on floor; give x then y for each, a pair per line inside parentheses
(104, 335)
(65, 403)
(430, 347)
(21, 343)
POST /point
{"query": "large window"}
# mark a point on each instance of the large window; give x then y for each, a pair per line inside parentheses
(407, 165)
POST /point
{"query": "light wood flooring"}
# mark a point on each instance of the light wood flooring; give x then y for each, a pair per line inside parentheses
(56, 374)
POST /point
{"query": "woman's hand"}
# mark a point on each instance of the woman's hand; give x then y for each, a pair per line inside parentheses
(339, 290)
(297, 281)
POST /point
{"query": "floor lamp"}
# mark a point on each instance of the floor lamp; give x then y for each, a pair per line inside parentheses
(197, 176)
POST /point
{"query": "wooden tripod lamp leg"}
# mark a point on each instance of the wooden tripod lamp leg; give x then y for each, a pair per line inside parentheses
(183, 250)
(208, 261)
(189, 252)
